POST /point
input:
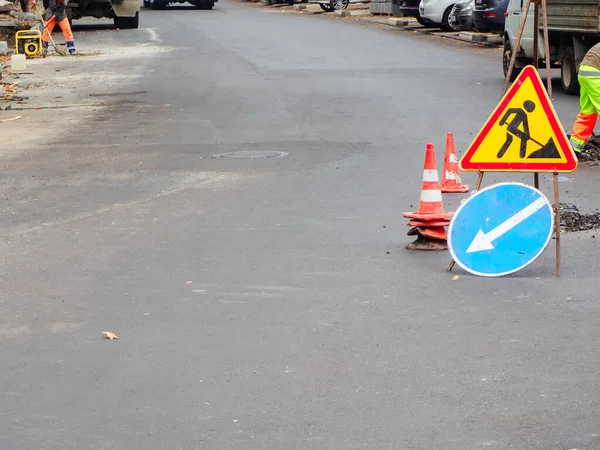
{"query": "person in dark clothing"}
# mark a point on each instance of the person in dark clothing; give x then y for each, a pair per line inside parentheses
(56, 13)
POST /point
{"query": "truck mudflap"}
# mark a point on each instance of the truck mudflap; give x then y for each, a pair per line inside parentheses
(125, 8)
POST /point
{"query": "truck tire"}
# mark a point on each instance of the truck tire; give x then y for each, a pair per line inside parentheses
(568, 72)
(134, 22)
(121, 22)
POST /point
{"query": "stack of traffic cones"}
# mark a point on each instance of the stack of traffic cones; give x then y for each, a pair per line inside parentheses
(429, 221)
(451, 181)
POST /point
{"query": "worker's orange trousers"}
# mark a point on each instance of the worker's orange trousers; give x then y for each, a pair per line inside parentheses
(64, 26)
(589, 99)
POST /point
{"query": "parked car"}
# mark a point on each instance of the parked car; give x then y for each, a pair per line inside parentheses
(461, 17)
(488, 15)
(436, 13)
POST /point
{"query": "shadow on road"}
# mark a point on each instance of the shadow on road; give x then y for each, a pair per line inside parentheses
(92, 26)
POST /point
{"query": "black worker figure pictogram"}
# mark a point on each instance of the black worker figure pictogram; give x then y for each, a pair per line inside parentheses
(517, 124)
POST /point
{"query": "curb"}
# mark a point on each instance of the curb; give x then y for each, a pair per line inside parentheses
(463, 36)
(468, 36)
(398, 22)
(487, 40)
(360, 12)
(484, 38)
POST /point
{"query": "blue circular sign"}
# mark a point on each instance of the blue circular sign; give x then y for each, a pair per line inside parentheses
(500, 229)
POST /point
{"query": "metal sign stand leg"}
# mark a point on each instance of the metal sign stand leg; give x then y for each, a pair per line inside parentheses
(536, 26)
(557, 223)
(513, 56)
(547, 49)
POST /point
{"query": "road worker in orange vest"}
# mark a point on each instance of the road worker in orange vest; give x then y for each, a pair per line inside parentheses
(589, 99)
(56, 13)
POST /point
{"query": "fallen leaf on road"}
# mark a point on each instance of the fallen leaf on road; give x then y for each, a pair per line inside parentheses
(9, 90)
(455, 277)
(10, 87)
(109, 335)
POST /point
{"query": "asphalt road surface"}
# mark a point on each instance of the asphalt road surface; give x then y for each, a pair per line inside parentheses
(269, 303)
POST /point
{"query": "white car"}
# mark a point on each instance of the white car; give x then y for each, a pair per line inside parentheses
(436, 13)
(514, 15)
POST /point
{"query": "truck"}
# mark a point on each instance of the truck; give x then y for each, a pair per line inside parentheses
(573, 28)
(125, 13)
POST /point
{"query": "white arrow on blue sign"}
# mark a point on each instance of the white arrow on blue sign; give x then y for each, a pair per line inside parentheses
(500, 229)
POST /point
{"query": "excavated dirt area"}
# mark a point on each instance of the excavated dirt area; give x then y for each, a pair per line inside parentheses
(572, 220)
(592, 148)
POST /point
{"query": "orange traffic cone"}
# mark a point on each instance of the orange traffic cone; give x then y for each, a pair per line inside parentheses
(428, 223)
(439, 233)
(431, 239)
(430, 204)
(451, 181)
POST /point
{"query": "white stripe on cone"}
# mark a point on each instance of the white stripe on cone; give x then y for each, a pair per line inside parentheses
(431, 195)
(430, 175)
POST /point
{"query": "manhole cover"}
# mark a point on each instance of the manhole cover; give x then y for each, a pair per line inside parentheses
(249, 154)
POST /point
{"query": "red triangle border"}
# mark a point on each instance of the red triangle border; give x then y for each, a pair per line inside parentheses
(569, 165)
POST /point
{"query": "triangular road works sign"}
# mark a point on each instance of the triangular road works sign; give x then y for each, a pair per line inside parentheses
(523, 133)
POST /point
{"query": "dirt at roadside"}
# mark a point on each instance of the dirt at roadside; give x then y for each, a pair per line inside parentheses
(592, 148)
(572, 220)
